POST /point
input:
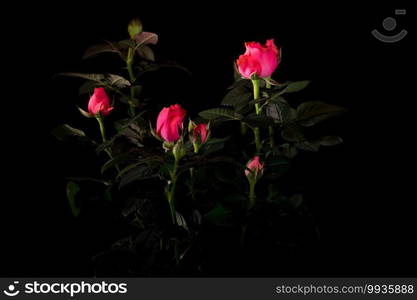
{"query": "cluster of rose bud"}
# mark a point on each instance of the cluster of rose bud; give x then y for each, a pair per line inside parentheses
(170, 130)
(199, 134)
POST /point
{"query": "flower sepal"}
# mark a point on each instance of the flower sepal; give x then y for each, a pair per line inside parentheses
(168, 146)
(271, 81)
(191, 126)
(85, 113)
(154, 134)
(179, 150)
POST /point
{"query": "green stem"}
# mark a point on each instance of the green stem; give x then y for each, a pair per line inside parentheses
(103, 133)
(196, 147)
(271, 136)
(257, 139)
(243, 128)
(172, 208)
(252, 197)
(132, 110)
(171, 192)
(177, 254)
(271, 128)
(102, 128)
(103, 136)
(256, 95)
(132, 78)
(243, 234)
(256, 131)
(192, 185)
(129, 62)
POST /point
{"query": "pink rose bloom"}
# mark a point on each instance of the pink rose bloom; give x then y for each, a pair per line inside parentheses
(255, 166)
(258, 59)
(99, 103)
(169, 122)
(200, 131)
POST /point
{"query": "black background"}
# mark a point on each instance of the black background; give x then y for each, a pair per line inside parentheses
(361, 193)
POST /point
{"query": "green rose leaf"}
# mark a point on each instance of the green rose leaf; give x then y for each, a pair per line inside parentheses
(117, 81)
(296, 200)
(276, 167)
(313, 112)
(122, 158)
(292, 133)
(67, 133)
(87, 87)
(288, 150)
(281, 112)
(220, 216)
(146, 52)
(296, 86)
(221, 112)
(71, 190)
(239, 96)
(330, 140)
(213, 145)
(140, 172)
(98, 49)
(258, 120)
(307, 146)
(103, 79)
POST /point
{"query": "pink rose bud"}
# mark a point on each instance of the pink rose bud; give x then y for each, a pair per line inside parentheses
(200, 133)
(258, 59)
(254, 168)
(169, 122)
(99, 103)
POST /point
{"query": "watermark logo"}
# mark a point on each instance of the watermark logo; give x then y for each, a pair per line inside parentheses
(72, 289)
(389, 24)
(12, 290)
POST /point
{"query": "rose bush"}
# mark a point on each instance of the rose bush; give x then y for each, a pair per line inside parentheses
(182, 197)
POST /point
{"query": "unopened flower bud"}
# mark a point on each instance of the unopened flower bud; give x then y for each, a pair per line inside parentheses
(179, 150)
(134, 28)
(254, 169)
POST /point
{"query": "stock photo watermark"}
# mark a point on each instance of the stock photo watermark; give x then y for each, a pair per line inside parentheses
(389, 25)
(64, 288)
